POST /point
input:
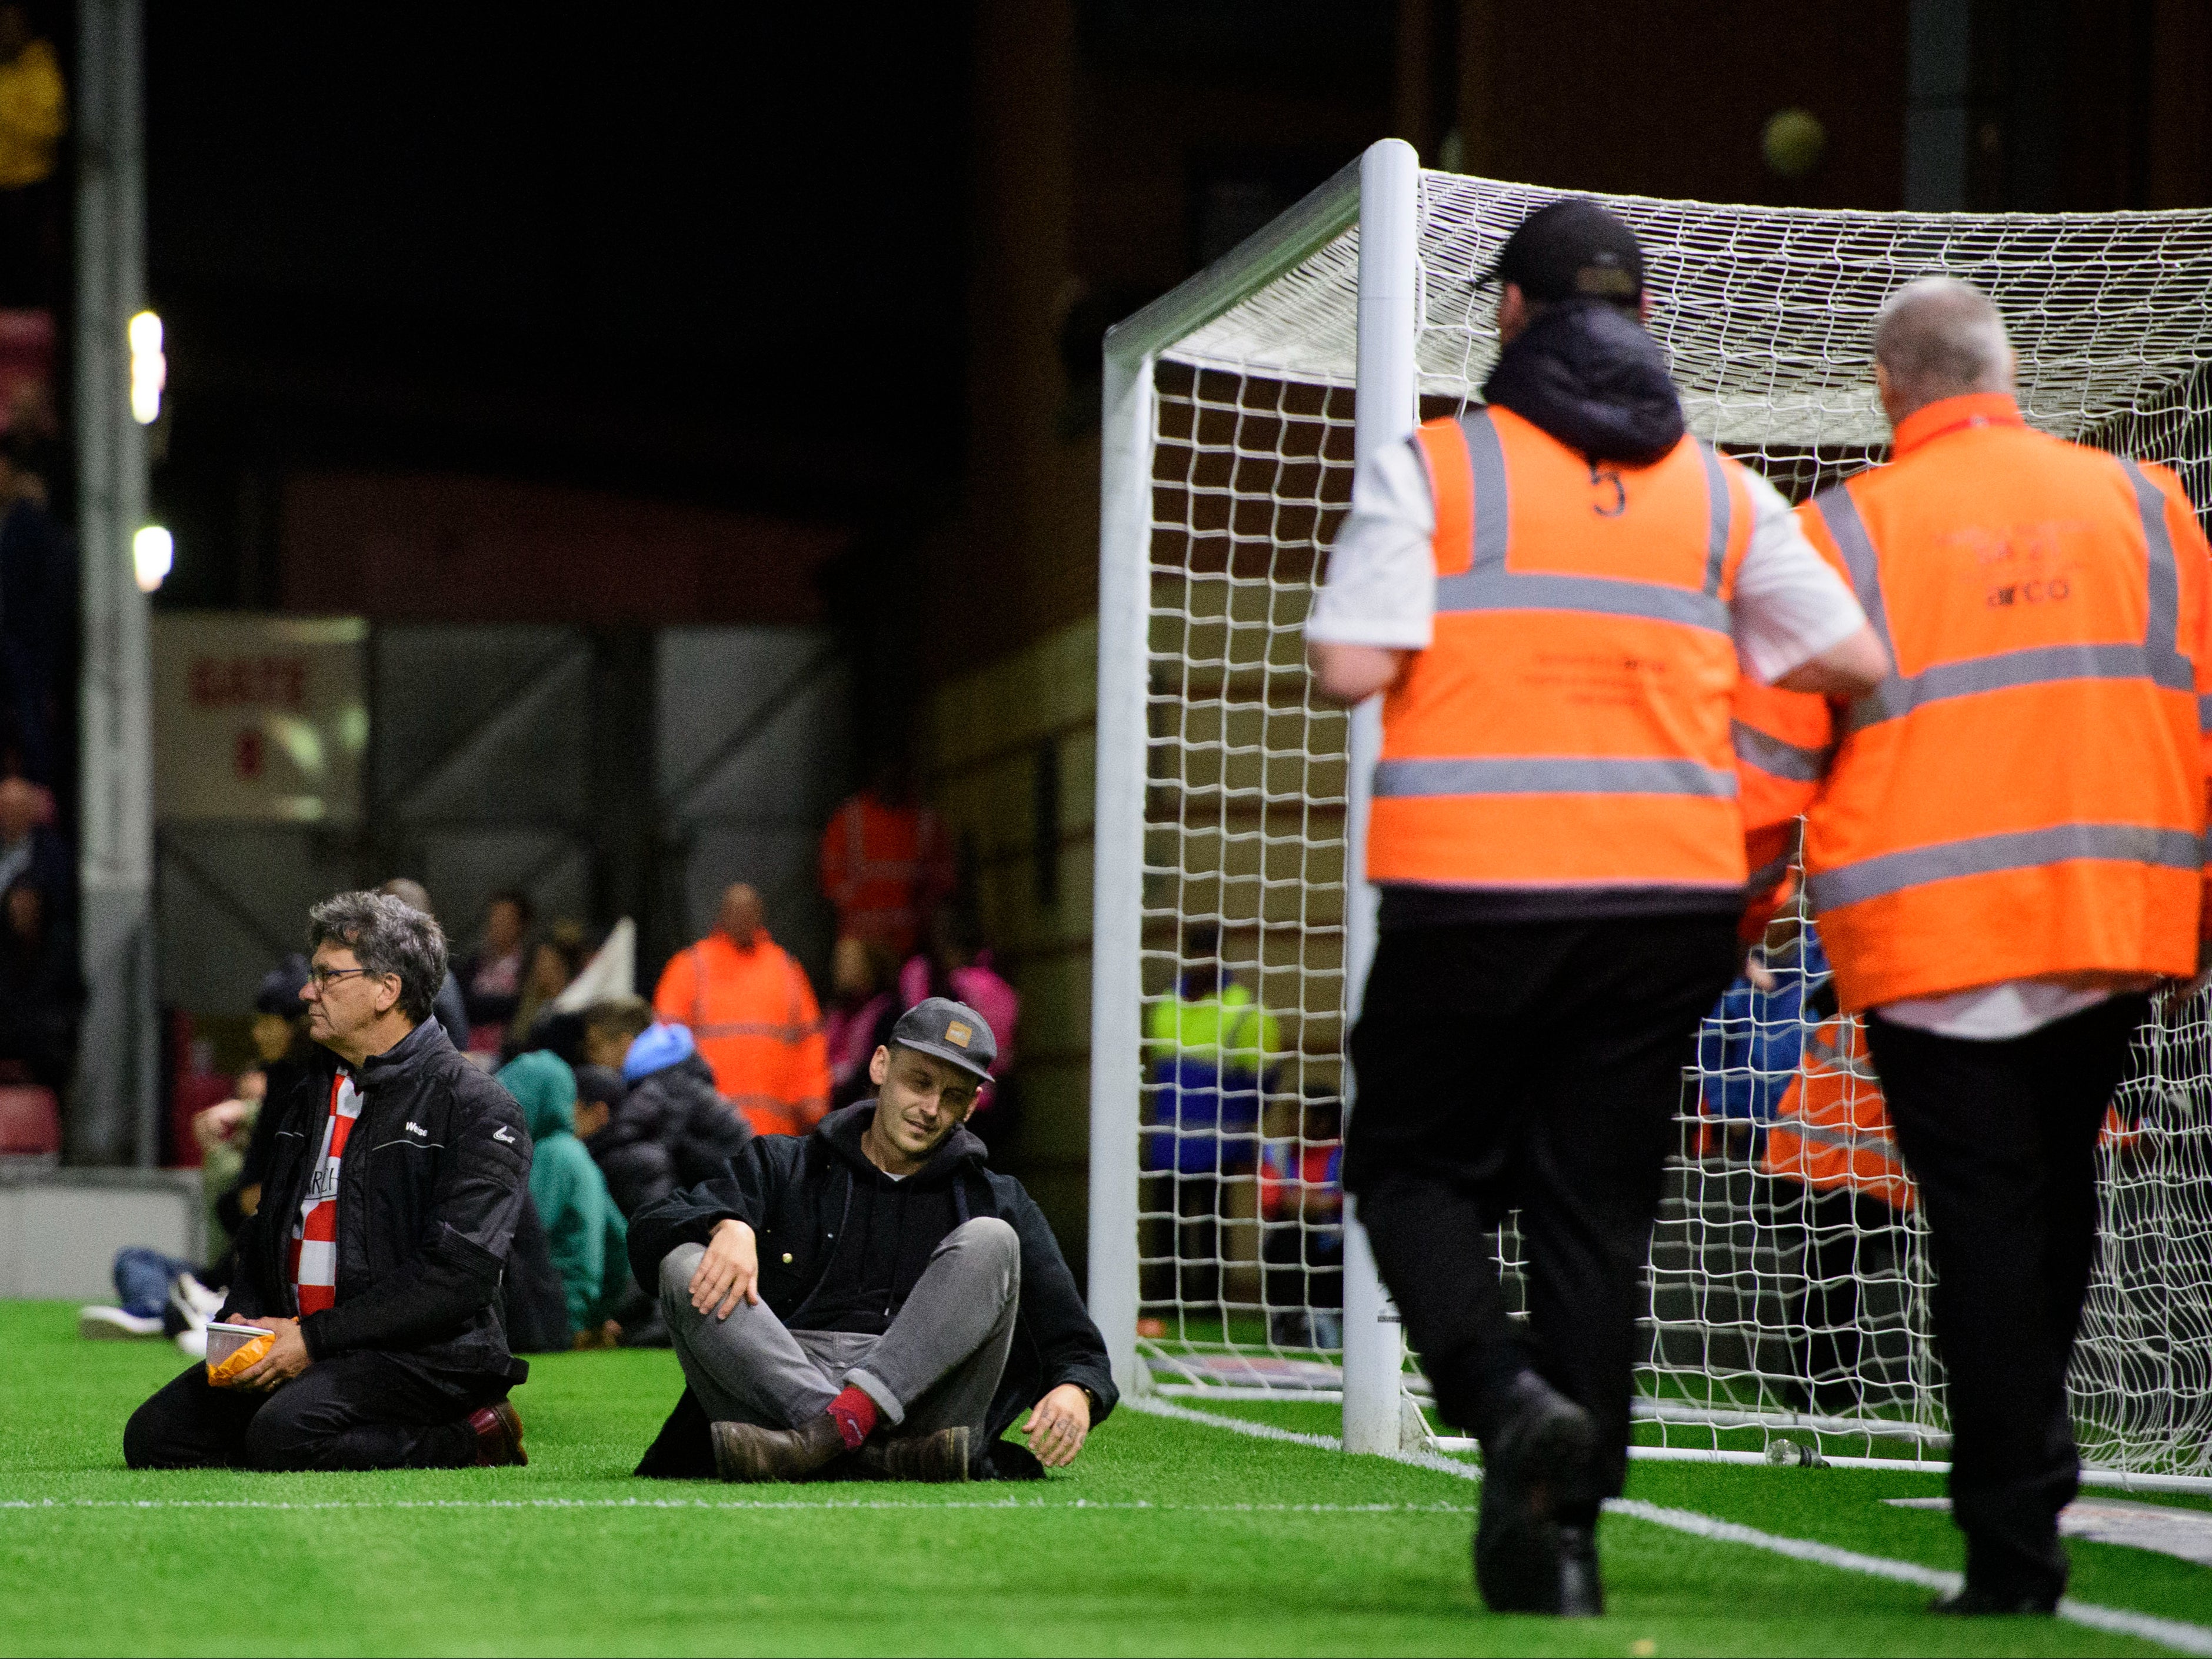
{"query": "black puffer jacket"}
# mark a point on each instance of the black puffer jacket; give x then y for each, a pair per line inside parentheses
(843, 1245)
(671, 1130)
(1589, 375)
(435, 1171)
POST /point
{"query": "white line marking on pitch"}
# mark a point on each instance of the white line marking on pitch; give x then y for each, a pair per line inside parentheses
(2171, 1633)
(1022, 1504)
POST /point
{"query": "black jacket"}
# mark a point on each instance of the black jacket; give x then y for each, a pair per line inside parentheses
(1590, 375)
(858, 1241)
(672, 1129)
(435, 1175)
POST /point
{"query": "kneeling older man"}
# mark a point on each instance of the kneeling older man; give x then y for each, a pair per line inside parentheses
(872, 1296)
(397, 1175)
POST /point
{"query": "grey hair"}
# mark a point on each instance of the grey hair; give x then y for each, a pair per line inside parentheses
(1940, 337)
(386, 935)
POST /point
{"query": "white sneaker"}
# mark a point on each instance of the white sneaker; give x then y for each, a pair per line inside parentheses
(107, 1324)
(193, 1341)
(195, 1304)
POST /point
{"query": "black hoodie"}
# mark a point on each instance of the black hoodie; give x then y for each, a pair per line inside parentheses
(1588, 374)
(843, 1245)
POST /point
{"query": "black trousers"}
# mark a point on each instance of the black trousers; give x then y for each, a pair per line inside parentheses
(2002, 1138)
(1535, 1065)
(357, 1411)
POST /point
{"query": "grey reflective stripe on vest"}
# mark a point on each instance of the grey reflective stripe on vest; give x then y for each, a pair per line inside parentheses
(1720, 510)
(1768, 877)
(2157, 658)
(2204, 711)
(1488, 585)
(2161, 640)
(2020, 849)
(1401, 779)
(1776, 758)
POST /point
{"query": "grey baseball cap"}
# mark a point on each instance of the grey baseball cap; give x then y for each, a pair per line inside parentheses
(949, 1031)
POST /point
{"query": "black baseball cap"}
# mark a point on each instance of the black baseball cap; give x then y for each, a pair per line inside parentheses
(949, 1031)
(1572, 249)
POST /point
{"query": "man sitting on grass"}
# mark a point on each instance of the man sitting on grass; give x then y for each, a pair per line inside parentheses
(872, 1299)
(386, 1213)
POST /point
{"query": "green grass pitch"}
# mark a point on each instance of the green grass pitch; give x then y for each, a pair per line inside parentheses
(1167, 1537)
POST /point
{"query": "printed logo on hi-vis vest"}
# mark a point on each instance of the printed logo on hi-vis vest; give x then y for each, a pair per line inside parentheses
(958, 1034)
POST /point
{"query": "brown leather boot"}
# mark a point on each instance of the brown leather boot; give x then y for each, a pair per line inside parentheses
(743, 1451)
(498, 1429)
(942, 1455)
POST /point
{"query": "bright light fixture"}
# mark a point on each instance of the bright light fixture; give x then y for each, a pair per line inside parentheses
(153, 550)
(149, 369)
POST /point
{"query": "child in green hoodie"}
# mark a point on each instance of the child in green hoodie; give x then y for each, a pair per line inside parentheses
(584, 1230)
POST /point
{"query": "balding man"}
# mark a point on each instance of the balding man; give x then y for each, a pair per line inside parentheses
(2006, 855)
(752, 1013)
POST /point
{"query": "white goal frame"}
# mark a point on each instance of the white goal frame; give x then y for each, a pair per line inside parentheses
(1375, 203)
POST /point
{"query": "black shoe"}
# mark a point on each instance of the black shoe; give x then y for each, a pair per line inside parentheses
(1582, 1595)
(1975, 1602)
(1537, 1463)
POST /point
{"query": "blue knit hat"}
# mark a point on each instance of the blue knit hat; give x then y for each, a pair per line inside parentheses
(656, 1048)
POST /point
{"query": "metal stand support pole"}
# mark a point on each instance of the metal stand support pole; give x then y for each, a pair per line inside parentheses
(115, 1116)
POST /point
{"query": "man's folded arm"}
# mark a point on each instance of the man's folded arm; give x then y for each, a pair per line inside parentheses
(455, 1273)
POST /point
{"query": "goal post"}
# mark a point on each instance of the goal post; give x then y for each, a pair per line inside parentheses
(1230, 806)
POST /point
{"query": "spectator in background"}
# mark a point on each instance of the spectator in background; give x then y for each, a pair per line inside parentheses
(37, 602)
(749, 1006)
(29, 850)
(286, 1053)
(1302, 1228)
(600, 1091)
(886, 861)
(40, 989)
(670, 1128)
(860, 1002)
(554, 962)
(33, 113)
(1206, 1052)
(491, 980)
(451, 1014)
(584, 1230)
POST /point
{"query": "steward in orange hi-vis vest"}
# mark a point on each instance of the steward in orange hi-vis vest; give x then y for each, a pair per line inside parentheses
(1569, 729)
(2024, 797)
(2007, 852)
(1560, 595)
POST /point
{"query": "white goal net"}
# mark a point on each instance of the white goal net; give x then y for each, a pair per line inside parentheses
(1778, 1309)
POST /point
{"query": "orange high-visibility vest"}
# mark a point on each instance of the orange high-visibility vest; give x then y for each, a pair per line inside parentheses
(754, 1017)
(1568, 729)
(1831, 1129)
(2024, 797)
(882, 867)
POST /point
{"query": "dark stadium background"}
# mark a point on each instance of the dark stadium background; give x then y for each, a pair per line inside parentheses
(822, 290)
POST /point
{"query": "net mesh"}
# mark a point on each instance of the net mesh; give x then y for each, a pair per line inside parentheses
(1777, 1308)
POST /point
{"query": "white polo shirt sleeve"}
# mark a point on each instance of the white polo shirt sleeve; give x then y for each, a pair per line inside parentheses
(1790, 605)
(1382, 586)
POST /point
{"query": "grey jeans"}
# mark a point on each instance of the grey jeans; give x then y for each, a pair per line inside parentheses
(937, 1366)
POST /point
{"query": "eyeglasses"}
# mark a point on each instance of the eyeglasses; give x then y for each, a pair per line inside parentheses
(323, 976)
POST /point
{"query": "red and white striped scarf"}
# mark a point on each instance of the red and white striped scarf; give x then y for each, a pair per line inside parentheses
(315, 1234)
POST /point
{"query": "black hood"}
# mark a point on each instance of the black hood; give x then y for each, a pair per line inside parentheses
(842, 1130)
(1589, 375)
